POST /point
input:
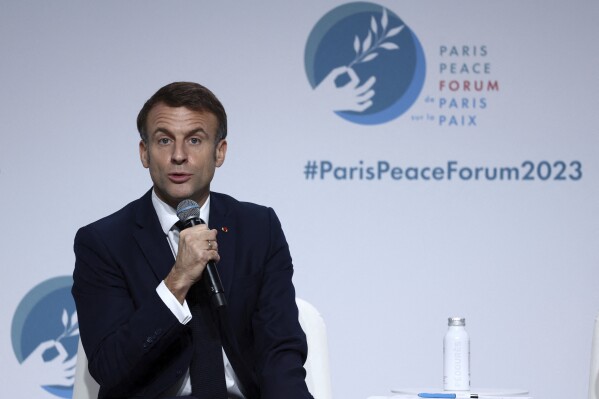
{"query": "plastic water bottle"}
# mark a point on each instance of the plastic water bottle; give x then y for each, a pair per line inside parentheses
(456, 356)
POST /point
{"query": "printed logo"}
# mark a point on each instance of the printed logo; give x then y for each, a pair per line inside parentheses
(365, 63)
(464, 89)
(45, 336)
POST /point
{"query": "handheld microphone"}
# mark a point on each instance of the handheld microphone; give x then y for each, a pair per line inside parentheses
(188, 212)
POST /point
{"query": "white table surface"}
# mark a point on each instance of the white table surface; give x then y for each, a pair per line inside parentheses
(473, 390)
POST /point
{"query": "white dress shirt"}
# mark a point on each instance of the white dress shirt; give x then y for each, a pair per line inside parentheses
(167, 216)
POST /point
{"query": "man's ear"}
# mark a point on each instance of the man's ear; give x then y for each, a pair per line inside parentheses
(220, 152)
(143, 154)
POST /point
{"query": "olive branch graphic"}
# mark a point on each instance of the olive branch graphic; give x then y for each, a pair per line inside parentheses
(366, 50)
(71, 325)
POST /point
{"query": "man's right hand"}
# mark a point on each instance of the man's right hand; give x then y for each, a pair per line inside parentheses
(197, 247)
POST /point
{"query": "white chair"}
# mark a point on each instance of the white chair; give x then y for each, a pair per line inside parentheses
(318, 375)
(594, 378)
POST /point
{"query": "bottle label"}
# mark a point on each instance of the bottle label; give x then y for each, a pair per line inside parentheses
(456, 353)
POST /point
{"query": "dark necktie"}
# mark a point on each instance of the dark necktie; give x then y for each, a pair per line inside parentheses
(207, 371)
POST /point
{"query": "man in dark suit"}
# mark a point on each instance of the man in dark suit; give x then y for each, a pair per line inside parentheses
(135, 272)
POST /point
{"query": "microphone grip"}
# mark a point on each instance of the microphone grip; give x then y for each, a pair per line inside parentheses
(214, 285)
(210, 276)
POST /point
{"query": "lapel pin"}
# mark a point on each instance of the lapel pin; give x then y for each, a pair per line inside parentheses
(224, 229)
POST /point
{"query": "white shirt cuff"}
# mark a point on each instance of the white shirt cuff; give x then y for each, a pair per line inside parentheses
(181, 312)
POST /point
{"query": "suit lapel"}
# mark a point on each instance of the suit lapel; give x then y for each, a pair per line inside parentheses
(151, 239)
(221, 219)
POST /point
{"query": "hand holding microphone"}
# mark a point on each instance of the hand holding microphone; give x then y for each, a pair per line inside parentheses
(198, 251)
(197, 247)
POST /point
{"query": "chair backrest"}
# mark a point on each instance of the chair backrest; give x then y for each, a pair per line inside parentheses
(318, 375)
(594, 377)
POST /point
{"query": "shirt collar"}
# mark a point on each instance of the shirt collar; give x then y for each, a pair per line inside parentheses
(167, 215)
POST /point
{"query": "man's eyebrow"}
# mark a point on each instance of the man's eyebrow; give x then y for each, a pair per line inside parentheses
(199, 130)
(164, 130)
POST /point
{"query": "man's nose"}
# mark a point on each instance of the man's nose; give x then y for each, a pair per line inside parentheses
(179, 154)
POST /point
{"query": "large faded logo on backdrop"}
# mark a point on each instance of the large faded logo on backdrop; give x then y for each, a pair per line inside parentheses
(45, 335)
(364, 63)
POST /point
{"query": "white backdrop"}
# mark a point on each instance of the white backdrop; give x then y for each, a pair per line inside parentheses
(386, 261)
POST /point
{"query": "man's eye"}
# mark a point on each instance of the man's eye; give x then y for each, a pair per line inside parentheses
(194, 140)
(164, 140)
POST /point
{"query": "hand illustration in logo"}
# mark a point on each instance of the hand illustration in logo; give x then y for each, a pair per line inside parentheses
(49, 362)
(58, 371)
(45, 337)
(352, 96)
(349, 97)
(355, 67)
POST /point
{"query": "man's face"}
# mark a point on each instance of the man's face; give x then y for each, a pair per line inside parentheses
(181, 153)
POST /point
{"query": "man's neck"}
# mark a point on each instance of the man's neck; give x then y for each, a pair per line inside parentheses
(173, 202)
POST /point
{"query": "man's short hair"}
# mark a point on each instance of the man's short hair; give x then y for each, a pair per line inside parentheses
(190, 95)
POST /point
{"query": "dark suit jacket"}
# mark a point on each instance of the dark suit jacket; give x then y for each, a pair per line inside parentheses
(135, 345)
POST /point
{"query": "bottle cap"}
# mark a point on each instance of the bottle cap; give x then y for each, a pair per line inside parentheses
(456, 321)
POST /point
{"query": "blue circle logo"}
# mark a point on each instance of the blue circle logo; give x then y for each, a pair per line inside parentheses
(45, 336)
(365, 63)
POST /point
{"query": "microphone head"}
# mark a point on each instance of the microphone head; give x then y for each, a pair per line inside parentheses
(188, 209)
